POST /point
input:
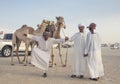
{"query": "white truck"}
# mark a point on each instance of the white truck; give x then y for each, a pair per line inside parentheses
(6, 45)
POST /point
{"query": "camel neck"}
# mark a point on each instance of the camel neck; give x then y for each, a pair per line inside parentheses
(58, 29)
(57, 33)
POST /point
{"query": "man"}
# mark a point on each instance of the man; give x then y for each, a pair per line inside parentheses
(51, 28)
(41, 54)
(93, 52)
(79, 63)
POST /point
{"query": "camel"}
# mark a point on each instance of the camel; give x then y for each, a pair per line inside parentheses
(18, 36)
(55, 33)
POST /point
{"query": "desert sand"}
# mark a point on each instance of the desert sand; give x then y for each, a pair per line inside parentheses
(19, 74)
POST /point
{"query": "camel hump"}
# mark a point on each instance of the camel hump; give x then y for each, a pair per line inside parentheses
(24, 26)
(26, 29)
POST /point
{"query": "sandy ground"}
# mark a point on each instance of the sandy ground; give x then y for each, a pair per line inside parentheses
(19, 74)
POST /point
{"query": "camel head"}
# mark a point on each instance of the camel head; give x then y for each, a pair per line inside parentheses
(45, 21)
(44, 24)
(38, 25)
(41, 27)
(60, 22)
(51, 23)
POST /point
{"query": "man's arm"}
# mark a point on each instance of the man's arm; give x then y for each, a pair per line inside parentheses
(60, 40)
(30, 36)
(87, 46)
(73, 38)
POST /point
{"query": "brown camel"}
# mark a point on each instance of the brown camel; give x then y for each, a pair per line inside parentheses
(55, 33)
(18, 36)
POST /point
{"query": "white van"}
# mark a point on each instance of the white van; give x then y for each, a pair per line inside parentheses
(6, 45)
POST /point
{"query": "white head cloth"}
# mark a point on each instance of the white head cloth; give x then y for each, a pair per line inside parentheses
(79, 25)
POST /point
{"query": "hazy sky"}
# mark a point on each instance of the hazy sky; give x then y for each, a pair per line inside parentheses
(105, 13)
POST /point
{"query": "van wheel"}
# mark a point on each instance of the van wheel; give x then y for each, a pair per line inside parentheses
(6, 51)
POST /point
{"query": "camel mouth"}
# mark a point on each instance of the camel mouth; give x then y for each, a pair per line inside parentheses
(60, 24)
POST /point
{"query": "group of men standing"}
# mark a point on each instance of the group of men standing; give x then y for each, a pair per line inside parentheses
(86, 52)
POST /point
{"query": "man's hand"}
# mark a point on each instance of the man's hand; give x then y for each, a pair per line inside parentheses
(85, 55)
(66, 38)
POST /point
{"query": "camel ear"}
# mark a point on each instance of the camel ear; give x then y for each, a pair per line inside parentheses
(57, 17)
(43, 20)
(38, 25)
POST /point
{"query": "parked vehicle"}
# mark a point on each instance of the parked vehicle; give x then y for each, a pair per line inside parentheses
(6, 45)
(113, 46)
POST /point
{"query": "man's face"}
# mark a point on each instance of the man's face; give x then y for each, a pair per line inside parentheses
(46, 37)
(93, 26)
(81, 29)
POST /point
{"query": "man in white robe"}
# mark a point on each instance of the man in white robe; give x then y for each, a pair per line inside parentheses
(41, 54)
(78, 60)
(93, 53)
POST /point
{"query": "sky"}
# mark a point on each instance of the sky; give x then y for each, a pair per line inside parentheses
(105, 13)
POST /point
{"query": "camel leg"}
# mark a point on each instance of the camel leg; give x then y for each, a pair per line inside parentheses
(26, 52)
(59, 47)
(18, 53)
(26, 55)
(12, 60)
(52, 57)
(23, 59)
(66, 57)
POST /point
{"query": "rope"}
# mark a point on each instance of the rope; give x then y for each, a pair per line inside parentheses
(63, 32)
(66, 50)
